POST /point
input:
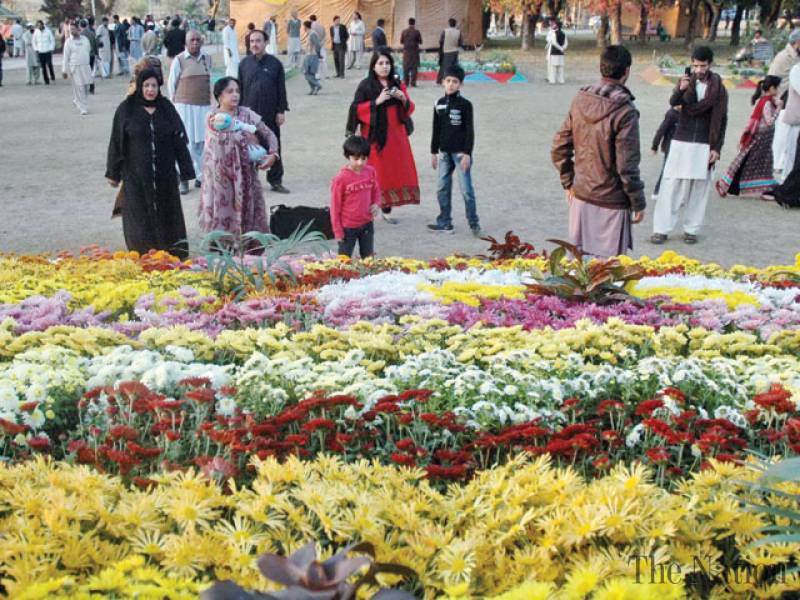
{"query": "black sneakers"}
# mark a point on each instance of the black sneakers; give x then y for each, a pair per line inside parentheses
(441, 229)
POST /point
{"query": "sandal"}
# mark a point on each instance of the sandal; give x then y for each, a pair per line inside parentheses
(658, 238)
(689, 238)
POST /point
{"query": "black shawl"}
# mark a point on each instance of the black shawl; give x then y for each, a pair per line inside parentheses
(368, 91)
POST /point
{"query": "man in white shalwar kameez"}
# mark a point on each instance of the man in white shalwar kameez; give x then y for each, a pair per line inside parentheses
(190, 90)
(230, 49)
(781, 66)
(271, 29)
(77, 50)
(694, 150)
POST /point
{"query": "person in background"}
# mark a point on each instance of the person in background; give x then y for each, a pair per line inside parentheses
(319, 28)
(750, 173)
(452, 141)
(250, 28)
(123, 47)
(293, 47)
(2, 51)
(150, 43)
(147, 140)
(75, 64)
(104, 47)
(31, 59)
(230, 48)
(231, 198)
(135, 34)
(17, 31)
(87, 30)
(662, 138)
(381, 111)
(355, 200)
(781, 66)
(262, 82)
(174, 41)
(694, 150)
(410, 40)
(311, 60)
(449, 44)
(339, 37)
(44, 43)
(357, 30)
(604, 191)
(190, 90)
(379, 37)
(555, 49)
(271, 29)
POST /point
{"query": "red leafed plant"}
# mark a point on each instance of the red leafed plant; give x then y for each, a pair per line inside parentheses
(511, 247)
(306, 578)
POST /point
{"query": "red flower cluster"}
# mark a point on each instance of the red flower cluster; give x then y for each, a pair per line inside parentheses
(139, 432)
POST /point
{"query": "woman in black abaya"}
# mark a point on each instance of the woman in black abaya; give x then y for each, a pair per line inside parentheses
(147, 139)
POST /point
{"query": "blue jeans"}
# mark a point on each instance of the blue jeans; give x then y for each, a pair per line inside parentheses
(449, 162)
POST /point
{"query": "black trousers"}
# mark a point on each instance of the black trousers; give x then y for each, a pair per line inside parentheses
(275, 173)
(788, 193)
(46, 62)
(1, 68)
(364, 235)
(339, 58)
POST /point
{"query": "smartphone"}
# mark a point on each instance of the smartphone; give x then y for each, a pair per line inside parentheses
(688, 71)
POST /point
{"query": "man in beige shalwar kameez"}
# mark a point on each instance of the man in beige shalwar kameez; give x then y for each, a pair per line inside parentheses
(77, 50)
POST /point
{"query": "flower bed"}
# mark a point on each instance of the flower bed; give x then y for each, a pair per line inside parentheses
(195, 421)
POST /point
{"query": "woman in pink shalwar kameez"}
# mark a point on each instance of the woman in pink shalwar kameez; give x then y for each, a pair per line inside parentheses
(231, 198)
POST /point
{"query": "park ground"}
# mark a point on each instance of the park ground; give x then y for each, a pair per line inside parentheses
(54, 196)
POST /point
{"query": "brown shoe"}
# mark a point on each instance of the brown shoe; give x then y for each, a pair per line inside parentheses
(658, 238)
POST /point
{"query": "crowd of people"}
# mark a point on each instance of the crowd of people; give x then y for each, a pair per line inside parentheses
(605, 193)
(221, 135)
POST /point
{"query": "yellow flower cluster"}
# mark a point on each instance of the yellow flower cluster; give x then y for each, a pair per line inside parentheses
(113, 284)
(511, 525)
(613, 342)
(471, 293)
(687, 296)
(129, 578)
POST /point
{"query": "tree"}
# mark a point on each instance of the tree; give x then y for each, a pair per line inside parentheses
(58, 11)
(691, 28)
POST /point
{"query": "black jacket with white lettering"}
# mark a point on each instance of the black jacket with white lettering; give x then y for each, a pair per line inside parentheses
(453, 129)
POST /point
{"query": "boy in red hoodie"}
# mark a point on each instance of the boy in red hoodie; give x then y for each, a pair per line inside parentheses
(355, 199)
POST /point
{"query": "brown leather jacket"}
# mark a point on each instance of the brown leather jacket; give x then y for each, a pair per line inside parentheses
(596, 151)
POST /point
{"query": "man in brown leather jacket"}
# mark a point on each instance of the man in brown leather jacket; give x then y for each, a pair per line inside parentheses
(596, 151)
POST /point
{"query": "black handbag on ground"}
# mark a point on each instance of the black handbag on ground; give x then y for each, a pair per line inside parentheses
(285, 220)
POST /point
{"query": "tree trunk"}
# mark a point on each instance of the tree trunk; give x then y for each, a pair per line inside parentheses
(616, 23)
(715, 25)
(602, 31)
(774, 13)
(736, 27)
(525, 24)
(694, 9)
(644, 10)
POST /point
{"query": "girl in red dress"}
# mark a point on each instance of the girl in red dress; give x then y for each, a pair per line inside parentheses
(381, 110)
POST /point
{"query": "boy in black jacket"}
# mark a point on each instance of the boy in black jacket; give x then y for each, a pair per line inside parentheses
(451, 150)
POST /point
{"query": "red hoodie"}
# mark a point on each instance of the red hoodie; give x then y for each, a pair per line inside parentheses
(352, 197)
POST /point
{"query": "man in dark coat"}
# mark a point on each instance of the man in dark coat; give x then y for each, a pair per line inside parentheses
(411, 40)
(339, 37)
(379, 36)
(263, 89)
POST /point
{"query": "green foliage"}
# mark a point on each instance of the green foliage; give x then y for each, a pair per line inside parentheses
(253, 261)
(786, 512)
(58, 11)
(598, 281)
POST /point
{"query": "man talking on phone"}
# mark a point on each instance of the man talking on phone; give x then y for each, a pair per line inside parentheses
(694, 150)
